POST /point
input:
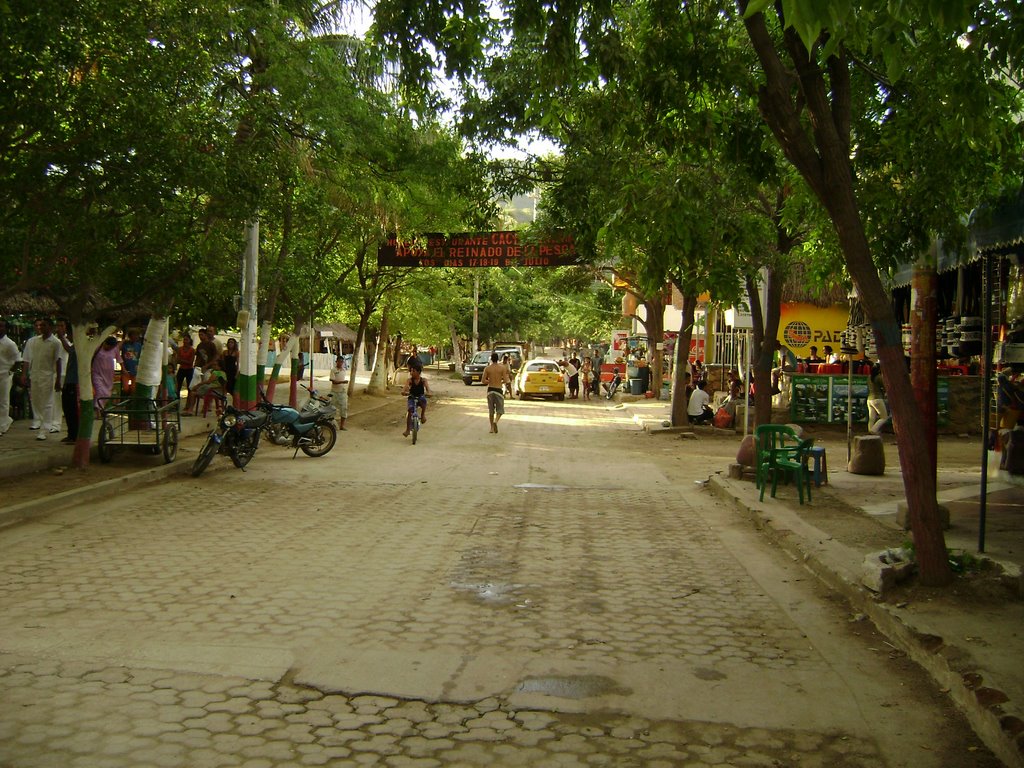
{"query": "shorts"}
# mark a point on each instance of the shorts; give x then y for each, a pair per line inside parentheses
(339, 400)
(412, 402)
(495, 403)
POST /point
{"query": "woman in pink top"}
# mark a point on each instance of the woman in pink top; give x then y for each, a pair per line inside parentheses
(103, 364)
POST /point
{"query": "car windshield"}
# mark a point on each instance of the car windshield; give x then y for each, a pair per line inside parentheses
(542, 367)
(482, 357)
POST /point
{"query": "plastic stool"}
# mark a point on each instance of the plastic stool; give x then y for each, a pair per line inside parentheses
(817, 453)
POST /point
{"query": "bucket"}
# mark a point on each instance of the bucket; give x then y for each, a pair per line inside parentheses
(636, 387)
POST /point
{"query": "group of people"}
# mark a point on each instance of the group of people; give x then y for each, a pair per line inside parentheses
(49, 372)
(580, 376)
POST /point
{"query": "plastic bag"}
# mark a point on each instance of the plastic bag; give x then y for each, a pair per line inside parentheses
(723, 419)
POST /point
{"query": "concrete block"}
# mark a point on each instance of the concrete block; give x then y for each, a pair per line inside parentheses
(903, 515)
(735, 471)
(747, 451)
(868, 457)
(884, 570)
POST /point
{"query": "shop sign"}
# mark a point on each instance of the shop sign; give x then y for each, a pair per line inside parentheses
(478, 249)
(804, 325)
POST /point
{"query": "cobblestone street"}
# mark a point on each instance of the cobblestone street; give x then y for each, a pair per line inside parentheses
(560, 594)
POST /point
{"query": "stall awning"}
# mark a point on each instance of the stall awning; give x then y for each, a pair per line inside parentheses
(946, 258)
(999, 227)
(995, 228)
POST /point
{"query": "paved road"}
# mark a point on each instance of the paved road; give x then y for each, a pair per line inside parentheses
(561, 593)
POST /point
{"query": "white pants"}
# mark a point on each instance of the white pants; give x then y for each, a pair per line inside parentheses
(878, 414)
(5, 401)
(42, 396)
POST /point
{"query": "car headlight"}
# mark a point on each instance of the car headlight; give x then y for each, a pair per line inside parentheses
(229, 420)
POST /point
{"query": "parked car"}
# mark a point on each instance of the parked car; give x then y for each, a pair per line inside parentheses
(540, 377)
(474, 369)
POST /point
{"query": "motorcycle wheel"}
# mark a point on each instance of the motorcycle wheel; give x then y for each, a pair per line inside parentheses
(205, 456)
(244, 448)
(322, 438)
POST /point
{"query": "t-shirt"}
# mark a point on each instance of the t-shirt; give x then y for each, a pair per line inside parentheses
(339, 377)
(131, 351)
(698, 400)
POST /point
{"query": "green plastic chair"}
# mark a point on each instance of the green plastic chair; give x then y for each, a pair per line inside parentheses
(794, 460)
(770, 440)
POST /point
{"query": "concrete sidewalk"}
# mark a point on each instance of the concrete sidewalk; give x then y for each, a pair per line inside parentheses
(970, 637)
(21, 455)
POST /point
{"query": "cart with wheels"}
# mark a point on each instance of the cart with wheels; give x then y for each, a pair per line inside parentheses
(152, 426)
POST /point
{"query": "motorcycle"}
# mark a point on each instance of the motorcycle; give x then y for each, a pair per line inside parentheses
(237, 434)
(310, 430)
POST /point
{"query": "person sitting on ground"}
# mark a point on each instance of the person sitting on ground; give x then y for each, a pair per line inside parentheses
(415, 390)
(732, 403)
(699, 408)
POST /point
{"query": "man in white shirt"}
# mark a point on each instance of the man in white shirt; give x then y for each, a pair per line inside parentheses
(42, 361)
(339, 389)
(699, 408)
(9, 355)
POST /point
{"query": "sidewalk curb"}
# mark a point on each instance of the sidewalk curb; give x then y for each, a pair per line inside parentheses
(996, 720)
(37, 508)
(20, 513)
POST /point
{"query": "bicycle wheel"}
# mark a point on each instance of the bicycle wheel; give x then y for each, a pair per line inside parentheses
(205, 456)
(244, 448)
(415, 427)
(322, 438)
(170, 443)
(105, 448)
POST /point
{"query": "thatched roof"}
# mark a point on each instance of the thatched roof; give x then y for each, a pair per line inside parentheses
(27, 304)
(801, 286)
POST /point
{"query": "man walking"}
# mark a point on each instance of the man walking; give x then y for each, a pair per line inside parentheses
(42, 368)
(494, 377)
(9, 355)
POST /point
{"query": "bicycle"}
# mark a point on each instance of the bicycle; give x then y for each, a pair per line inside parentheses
(413, 406)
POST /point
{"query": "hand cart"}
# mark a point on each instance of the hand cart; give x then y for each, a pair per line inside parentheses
(152, 425)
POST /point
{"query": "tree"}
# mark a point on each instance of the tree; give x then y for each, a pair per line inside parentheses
(812, 99)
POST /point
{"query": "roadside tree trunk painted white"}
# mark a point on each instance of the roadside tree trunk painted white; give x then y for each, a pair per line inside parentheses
(264, 350)
(152, 358)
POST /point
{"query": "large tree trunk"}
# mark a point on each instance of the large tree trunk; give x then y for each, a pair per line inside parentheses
(456, 348)
(923, 318)
(85, 348)
(822, 157)
(655, 326)
(766, 331)
(681, 364)
(379, 377)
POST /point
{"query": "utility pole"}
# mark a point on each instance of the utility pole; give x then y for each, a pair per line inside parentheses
(476, 311)
(247, 319)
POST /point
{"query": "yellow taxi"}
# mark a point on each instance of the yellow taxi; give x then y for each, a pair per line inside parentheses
(540, 378)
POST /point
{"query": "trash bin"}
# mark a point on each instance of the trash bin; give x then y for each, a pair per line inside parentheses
(645, 379)
(636, 387)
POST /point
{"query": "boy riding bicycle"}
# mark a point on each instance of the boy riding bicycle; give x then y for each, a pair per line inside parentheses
(416, 390)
